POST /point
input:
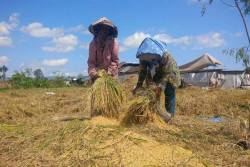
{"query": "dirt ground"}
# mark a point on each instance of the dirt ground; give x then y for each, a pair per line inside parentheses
(52, 127)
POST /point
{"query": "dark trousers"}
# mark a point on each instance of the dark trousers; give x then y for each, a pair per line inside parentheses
(170, 99)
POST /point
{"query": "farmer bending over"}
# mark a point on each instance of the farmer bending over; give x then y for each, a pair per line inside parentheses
(103, 49)
(158, 66)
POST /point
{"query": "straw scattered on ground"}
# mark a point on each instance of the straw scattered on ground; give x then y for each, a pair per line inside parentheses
(29, 136)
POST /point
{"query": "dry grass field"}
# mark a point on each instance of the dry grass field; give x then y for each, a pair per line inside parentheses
(40, 128)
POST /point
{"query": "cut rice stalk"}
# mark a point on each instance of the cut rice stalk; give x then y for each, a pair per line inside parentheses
(107, 96)
(142, 110)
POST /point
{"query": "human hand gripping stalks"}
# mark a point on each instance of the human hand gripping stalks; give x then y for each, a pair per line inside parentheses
(143, 109)
(107, 96)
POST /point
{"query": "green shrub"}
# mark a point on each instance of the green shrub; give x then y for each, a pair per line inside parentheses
(42, 83)
(59, 81)
(21, 80)
(24, 80)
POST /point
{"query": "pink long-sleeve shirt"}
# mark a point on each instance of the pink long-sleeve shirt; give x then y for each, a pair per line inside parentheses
(103, 58)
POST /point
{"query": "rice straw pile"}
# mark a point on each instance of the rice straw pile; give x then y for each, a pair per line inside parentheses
(107, 96)
(143, 109)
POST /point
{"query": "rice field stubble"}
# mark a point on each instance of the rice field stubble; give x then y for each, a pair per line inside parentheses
(29, 136)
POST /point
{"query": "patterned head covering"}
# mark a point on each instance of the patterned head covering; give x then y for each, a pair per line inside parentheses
(151, 50)
(150, 46)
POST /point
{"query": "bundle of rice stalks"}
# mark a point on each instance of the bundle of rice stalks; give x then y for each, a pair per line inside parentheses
(143, 109)
(107, 96)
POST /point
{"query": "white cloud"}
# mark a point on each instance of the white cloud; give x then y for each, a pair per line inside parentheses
(56, 73)
(6, 27)
(70, 74)
(37, 30)
(79, 28)
(134, 40)
(210, 40)
(75, 74)
(59, 49)
(85, 72)
(168, 39)
(62, 44)
(5, 41)
(85, 45)
(239, 34)
(21, 65)
(122, 48)
(66, 40)
(4, 61)
(185, 40)
(22, 40)
(164, 37)
(13, 19)
(58, 62)
(31, 65)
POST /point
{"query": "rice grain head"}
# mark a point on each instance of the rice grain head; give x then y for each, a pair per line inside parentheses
(141, 110)
(107, 96)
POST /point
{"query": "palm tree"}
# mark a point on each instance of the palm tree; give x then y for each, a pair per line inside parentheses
(3, 69)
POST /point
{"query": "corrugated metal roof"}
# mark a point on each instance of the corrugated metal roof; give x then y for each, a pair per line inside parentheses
(134, 70)
(125, 69)
(128, 67)
(121, 64)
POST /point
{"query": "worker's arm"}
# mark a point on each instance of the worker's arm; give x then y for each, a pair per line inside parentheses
(113, 66)
(142, 73)
(92, 60)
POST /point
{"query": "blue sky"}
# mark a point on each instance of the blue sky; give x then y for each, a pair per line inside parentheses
(54, 36)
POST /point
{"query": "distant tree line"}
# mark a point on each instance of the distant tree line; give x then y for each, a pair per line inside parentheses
(24, 79)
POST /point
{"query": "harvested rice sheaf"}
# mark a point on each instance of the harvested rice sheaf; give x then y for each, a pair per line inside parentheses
(107, 96)
(143, 109)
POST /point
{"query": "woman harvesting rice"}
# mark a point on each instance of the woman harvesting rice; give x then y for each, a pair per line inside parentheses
(158, 66)
(107, 94)
(103, 49)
